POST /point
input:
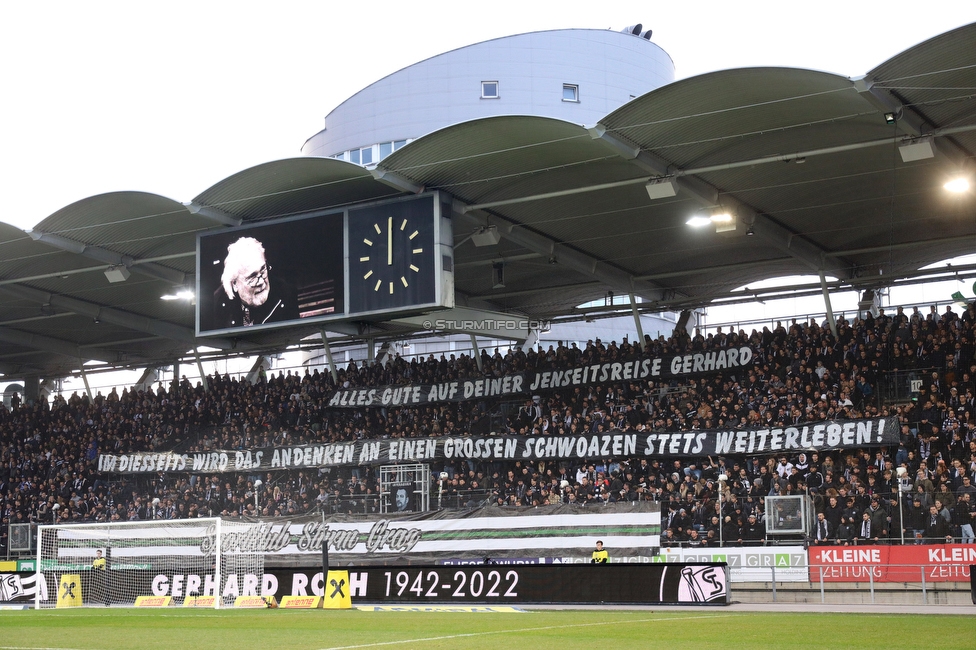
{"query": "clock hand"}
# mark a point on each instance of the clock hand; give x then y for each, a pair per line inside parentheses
(389, 241)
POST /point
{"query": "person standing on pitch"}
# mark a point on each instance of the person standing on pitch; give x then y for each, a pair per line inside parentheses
(599, 556)
(100, 584)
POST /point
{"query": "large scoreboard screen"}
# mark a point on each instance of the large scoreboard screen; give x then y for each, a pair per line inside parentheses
(390, 258)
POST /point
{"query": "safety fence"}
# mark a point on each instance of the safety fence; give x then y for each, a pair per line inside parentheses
(926, 584)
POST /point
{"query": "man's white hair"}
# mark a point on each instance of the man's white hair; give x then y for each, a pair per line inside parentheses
(238, 254)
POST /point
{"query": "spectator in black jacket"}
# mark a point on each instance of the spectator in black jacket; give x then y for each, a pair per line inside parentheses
(936, 529)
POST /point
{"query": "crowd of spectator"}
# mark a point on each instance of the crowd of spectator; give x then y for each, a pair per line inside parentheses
(802, 372)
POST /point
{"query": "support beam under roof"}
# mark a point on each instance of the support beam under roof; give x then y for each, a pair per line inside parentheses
(151, 269)
(57, 346)
(396, 181)
(119, 317)
(766, 227)
(908, 120)
(564, 255)
(216, 215)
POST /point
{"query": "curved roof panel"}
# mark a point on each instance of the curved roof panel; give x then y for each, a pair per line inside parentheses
(734, 114)
(292, 186)
(935, 80)
(133, 223)
(496, 158)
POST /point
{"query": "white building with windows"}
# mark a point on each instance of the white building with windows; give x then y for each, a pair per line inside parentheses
(577, 75)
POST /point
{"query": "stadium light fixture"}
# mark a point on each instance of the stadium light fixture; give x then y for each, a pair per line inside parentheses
(890, 118)
(957, 185)
(179, 295)
(117, 274)
(661, 188)
(487, 236)
(721, 218)
(916, 150)
(724, 221)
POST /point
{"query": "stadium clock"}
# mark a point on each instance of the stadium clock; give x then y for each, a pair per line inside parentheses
(379, 264)
(391, 256)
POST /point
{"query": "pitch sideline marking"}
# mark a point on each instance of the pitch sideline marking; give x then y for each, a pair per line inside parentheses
(524, 629)
(12, 647)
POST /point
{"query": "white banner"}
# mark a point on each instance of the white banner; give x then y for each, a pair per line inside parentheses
(519, 534)
(756, 564)
(829, 434)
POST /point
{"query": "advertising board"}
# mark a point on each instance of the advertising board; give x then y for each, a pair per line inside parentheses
(882, 563)
(759, 564)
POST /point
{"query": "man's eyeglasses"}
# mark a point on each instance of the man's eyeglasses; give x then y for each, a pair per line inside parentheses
(257, 277)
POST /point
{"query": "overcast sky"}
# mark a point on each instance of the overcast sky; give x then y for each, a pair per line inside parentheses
(171, 97)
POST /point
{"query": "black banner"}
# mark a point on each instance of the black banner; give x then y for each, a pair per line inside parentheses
(830, 434)
(545, 583)
(655, 583)
(667, 367)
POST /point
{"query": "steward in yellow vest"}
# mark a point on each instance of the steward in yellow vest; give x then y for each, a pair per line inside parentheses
(599, 556)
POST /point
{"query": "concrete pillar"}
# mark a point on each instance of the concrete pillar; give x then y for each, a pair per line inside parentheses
(637, 321)
(328, 356)
(831, 322)
(476, 352)
(32, 386)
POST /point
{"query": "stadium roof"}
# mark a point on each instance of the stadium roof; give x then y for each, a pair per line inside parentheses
(806, 162)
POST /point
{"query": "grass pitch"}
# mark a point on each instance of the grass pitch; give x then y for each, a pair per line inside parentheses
(129, 629)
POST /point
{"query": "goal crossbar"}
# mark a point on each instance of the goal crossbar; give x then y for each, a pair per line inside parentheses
(112, 564)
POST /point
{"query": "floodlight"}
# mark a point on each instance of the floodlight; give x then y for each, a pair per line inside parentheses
(661, 188)
(117, 274)
(724, 221)
(957, 185)
(179, 295)
(487, 236)
(698, 221)
(918, 150)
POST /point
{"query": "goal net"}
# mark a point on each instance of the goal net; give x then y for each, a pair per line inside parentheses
(113, 564)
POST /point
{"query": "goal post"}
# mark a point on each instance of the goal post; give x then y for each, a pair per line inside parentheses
(112, 564)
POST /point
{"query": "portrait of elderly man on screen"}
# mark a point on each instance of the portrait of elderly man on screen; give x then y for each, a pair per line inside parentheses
(250, 293)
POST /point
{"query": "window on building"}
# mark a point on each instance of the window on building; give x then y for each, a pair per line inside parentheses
(354, 156)
(489, 90)
(570, 93)
(398, 143)
(367, 155)
(386, 148)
